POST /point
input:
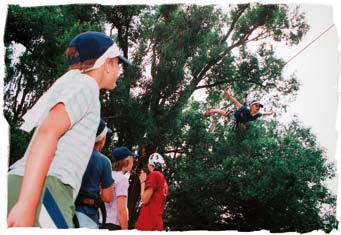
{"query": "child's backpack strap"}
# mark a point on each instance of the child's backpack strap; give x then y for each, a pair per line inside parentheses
(238, 114)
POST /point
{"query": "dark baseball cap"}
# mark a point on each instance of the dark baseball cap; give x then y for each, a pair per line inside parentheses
(120, 153)
(92, 45)
(102, 130)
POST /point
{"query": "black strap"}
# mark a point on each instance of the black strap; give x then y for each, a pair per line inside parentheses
(75, 221)
(98, 203)
(111, 227)
(238, 115)
(101, 206)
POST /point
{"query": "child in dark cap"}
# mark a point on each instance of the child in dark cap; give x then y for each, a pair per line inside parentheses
(43, 185)
(243, 114)
(122, 160)
(98, 173)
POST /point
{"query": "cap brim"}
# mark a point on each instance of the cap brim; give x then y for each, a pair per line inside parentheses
(124, 60)
(135, 155)
(257, 104)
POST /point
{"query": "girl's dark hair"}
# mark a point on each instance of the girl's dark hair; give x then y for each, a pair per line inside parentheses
(158, 167)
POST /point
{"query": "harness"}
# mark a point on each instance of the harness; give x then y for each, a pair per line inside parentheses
(87, 200)
(239, 117)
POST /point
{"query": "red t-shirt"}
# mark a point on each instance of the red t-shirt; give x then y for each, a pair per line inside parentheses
(150, 217)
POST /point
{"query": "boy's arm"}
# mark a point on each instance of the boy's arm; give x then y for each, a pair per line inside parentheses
(146, 194)
(267, 113)
(122, 212)
(107, 194)
(38, 162)
(234, 100)
(107, 182)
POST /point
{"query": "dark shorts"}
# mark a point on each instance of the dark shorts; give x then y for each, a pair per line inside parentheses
(110, 226)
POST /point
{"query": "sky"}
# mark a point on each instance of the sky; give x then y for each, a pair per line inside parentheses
(317, 68)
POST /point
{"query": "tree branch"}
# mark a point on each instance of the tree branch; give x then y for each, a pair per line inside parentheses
(213, 84)
(234, 21)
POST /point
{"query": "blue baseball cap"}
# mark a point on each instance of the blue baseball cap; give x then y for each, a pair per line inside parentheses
(93, 45)
(102, 130)
(120, 153)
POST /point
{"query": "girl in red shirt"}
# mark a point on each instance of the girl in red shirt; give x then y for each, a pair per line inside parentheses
(154, 191)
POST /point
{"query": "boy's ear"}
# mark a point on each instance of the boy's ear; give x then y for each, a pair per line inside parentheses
(107, 65)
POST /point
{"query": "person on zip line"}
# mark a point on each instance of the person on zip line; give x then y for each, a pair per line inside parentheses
(243, 114)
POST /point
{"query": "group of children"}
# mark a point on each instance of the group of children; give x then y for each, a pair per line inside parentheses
(107, 181)
(62, 167)
(46, 185)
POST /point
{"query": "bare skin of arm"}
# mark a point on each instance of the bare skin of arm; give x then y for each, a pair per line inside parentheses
(234, 100)
(267, 113)
(146, 194)
(107, 194)
(38, 162)
(221, 111)
(122, 212)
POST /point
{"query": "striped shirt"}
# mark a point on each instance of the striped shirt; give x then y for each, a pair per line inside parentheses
(80, 95)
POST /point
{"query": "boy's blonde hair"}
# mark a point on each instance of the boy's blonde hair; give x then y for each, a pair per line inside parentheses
(118, 165)
(72, 52)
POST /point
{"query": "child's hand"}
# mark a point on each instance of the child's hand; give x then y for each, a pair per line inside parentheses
(21, 216)
(226, 93)
(268, 113)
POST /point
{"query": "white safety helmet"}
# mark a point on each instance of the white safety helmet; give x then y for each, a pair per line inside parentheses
(157, 161)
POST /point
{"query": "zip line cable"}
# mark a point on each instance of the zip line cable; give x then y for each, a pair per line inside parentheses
(299, 52)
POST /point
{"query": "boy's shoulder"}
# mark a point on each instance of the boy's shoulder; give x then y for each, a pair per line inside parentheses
(244, 108)
(100, 157)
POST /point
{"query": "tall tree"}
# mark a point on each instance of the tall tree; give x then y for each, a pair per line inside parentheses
(219, 178)
(271, 178)
(116, 104)
(183, 48)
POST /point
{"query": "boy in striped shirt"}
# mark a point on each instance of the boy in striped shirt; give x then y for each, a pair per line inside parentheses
(43, 185)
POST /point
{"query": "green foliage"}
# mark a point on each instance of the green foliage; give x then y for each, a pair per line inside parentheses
(270, 177)
(43, 33)
(21, 140)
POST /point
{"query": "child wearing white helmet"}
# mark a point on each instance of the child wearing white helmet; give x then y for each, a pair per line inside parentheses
(154, 191)
(243, 114)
